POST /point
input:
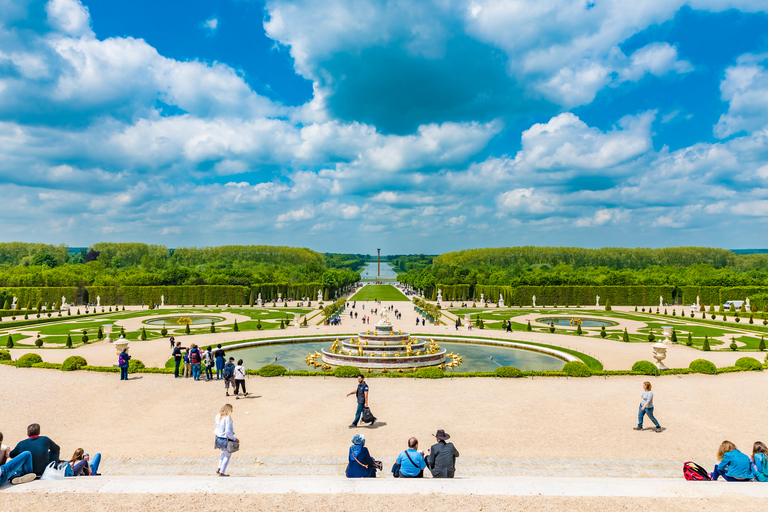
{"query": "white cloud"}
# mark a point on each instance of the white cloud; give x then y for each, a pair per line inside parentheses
(745, 88)
(294, 215)
(526, 201)
(211, 24)
(657, 59)
(602, 217)
(70, 17)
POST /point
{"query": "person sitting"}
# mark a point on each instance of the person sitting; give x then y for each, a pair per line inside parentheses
(760, 461)
(442, 457)
(734, 466)
(412, 461)
(361, 464)
(81, 464)
(43, 450)
(18, 469)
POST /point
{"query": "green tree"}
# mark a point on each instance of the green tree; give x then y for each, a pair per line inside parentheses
(603, 334)
(143, 334)
(552, 327)
(100, 334)
(529, 328)
(761, 346)
(651, 336)
(258, 324)
(674, 336)
(705, 346)
(7, 304)
(625, 336)
(235, 327)
(186, 329)
(607, 305)
(579, 332)
(9, 342)
(69, 340)
(690, 340)
(733, 345)
(213, 327)
(84, 338)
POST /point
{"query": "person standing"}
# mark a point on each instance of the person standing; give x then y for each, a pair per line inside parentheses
(208, 361)
(43, 450)
(362, 398)
(195, 360)
(122, 362)
(224, 433)
(229, 375)
(442, 457)
(220, 361)
(173, 342)
(178, 356)
(187, 364)
(646, 407)
(239, 379)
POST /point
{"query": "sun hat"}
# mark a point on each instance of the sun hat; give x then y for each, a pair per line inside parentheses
(442, 436)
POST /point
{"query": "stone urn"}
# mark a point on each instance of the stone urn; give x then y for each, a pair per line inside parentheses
(659, 354)
(667, 331)
(121, 343)
(107, 330)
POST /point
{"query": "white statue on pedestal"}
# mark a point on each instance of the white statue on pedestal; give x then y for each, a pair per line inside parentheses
(482, 297)
(501, 301)
(319, 295)
(597, 301)
(661, 301)
(63, 300)
(747, 305)
(258, 300)
(279, 297)
(697, 302)
(439, 296)
(534, 300)
(98, 300)
(13, 304)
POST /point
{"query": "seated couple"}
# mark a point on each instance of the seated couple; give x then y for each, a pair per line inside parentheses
(734, 466)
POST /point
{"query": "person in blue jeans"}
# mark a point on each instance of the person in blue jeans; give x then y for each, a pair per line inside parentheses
(122, 362)
(18, 470)
(81, 464)
(646, 407)
(734, 466)
(362, 398)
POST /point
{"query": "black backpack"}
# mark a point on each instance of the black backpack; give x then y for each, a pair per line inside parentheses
(229, 371)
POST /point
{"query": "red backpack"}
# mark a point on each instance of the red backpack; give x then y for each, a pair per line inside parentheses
(692, 471)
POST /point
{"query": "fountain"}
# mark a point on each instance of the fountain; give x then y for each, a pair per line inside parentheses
(384, 350)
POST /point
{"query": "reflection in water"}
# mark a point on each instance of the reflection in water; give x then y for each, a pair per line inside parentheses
(387, 272)
(477, 358)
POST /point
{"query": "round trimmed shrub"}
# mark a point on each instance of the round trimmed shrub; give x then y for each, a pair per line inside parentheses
(577, 369)
(749, 363)
(644, 367)
(346, 371)
(703, 366)
(135, 365)
(27, 360)
(39, 342)
(73, 363)
(429, 373)
(271, 370)
(5, 355)
(508, 372)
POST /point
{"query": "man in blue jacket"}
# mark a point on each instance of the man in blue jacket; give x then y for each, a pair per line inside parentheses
(43, 450)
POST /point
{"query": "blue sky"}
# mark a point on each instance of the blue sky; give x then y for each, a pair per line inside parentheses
(418, 127)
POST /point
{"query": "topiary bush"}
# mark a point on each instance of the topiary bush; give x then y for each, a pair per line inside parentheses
(164, 332)
(9, 342)
(749, 363)
(272, 370)
(5, 355)
(602, 332)
(39, 342)
(69, 341)
(576, 369)
(508, 372)
(73, 363)
(429, 373)
(27, 360)
(135, 365)
(645, 367)
(346, 371)
(703, 366)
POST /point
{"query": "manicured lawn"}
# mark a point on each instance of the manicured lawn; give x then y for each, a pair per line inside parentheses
(379, 292)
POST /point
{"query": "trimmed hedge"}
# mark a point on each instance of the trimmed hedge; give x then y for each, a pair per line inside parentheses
(645, 368)
(27, 360)
(134, 365)
(48, 366)
(73, 363)
(508, 372)
(703, 366)
(749, 363)
(346, 371)
(271, 370)
(429, 373)
(585, 295)
(5, 355)
(576, 369)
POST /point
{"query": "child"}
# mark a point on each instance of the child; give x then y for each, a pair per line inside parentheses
(734, 466)
(760, 461)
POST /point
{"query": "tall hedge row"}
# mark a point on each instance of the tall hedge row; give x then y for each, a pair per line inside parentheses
(49, 294)
(575, 295)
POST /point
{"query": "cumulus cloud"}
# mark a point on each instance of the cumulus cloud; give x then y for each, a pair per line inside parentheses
(211, 25)
(745, 88)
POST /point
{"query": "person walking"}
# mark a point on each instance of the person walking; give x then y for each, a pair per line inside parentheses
(362, 398)
(239, 379)
(220, 361)
(229, 375)
(122, 362)
(646, 407)
(173, 342)
(441, 459)
(224, 434)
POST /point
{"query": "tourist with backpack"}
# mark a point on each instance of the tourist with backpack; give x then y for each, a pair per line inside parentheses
(760, 461)
(239, 379)
(122, 362)
(208, 362)
(195, 359)
(229, 375)
(734, 466)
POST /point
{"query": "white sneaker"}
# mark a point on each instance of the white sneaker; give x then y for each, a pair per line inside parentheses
(23, 479)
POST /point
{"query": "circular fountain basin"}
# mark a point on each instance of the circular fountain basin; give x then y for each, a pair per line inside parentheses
(174, 320)
(585, 322)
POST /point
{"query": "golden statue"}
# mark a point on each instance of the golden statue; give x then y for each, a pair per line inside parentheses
(408, 350)
(359, 350)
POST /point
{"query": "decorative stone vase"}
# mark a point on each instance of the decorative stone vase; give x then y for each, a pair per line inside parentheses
(107, 330)
(659, 354)
(667, 330)
(120, 344)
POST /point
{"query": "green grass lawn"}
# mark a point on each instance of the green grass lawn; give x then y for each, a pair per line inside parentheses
(379, 292)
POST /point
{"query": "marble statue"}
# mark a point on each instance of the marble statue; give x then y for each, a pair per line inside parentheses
(439, 296)
(279, 297)
(501, 301)
(597, 301)
(747, 306)
(98, 300)
(162, 300)
(63, 300)
(258, 300)
(319, 295)
(661, 301)
(482, 297)
(534, 300)
(13, 304)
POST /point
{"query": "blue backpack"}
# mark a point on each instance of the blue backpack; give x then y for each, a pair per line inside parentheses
(229, 371)
(761, 467)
